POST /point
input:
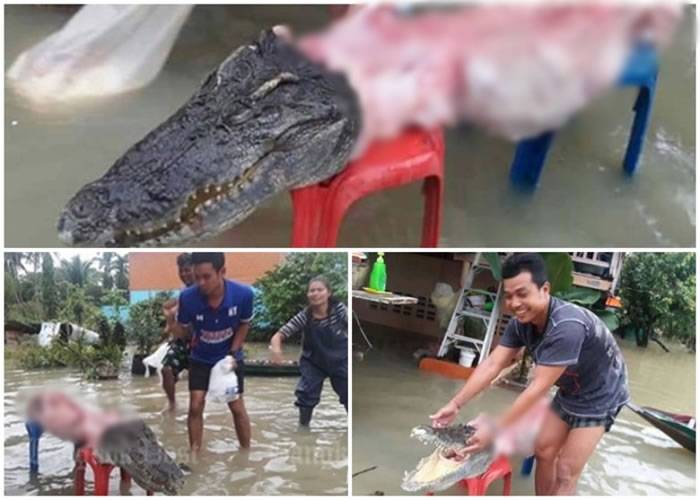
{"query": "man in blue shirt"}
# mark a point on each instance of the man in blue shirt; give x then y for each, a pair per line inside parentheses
(572, 349)
(217, 312)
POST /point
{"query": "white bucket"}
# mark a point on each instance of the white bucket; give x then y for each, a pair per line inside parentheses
(466, 357)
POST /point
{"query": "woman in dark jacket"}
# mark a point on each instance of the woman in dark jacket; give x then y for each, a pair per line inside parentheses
(324, 328)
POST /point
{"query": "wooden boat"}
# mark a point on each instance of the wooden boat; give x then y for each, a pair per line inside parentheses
(680, 428)
(265, 368)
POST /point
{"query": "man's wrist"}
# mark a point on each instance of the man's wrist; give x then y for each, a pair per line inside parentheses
(456, 404)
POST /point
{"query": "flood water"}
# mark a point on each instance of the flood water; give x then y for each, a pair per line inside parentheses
(390, 396)
(584, 200)
(282, 460)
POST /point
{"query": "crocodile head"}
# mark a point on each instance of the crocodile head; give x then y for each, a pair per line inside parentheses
(437, 472)
(266, 120)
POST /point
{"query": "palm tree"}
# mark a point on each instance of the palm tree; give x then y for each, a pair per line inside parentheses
(106, 265)
(77, 271)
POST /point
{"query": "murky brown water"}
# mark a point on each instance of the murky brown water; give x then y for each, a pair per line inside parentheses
(390, 396)
(283, 460)
(584, 199)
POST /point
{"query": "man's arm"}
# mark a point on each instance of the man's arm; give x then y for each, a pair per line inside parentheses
(239, 336)
(178, 330)
(499, 358)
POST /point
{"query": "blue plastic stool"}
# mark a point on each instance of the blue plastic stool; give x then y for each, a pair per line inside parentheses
(642, 71)
(35, 431)
(528, 464)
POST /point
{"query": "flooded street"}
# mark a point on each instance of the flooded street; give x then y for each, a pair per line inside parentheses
(282, 460)
(583, 200)
(390, 396)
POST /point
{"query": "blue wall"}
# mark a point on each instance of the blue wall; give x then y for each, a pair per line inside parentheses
(141, 295)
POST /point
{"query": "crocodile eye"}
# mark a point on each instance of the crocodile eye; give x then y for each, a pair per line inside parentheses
(89, 201)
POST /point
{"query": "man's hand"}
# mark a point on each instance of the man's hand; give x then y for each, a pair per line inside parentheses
(445, 415)
(482, 437)
(233, 361)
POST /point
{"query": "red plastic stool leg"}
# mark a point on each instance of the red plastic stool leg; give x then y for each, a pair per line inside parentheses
(432, 212)
(475, 486)
(125, 477)
(79, 478)
(307, 212)
(506, 484)
(101, 472)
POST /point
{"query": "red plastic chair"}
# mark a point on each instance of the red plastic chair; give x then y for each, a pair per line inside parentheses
(500, 468)
(100, 471)
(413, 156)
(477, 486)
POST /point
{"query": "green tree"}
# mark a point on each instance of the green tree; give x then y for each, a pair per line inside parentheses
(658, 296)
(281, 292)
(77, 271)
(49, 293)
(105, 264)
(146, 322)
(121, 272)
(79, 308)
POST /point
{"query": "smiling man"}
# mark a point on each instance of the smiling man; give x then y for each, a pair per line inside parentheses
(572, 349)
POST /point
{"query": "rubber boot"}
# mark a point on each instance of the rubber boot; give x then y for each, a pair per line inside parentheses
(305, 415)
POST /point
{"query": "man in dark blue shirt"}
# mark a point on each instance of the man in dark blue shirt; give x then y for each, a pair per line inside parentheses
(572, 349)
(217, 312)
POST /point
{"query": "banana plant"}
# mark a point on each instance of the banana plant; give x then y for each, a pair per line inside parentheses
(560, 267)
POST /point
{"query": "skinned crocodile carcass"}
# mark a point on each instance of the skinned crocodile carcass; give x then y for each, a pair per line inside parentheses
(437, 472)
(265, 121)
(127, 443)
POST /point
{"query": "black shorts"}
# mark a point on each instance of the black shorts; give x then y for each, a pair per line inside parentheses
(575, 422)
(199, 375)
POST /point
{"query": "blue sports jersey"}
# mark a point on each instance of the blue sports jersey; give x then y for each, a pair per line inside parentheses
(213, 329)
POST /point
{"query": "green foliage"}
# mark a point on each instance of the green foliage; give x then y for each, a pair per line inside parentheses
(282, 291)
(582, 296)
(30, 355)
(559, 269)
(90, 360)
(78, 308)
(494, 261)
(49, 293)
(146, 322)
(658, 296)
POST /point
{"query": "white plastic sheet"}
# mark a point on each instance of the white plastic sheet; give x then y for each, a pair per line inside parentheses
(102, 50)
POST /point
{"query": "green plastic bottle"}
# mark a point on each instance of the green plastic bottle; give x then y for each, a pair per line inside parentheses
(377, 279)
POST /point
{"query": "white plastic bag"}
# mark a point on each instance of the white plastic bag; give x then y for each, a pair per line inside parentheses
(155, 360)
(223, 382)
(444, 299)
(102, 50)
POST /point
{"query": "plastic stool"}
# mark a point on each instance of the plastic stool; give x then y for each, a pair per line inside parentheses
(35, 431)
(500, 468)
(100, 471)
(477, 486)
(642, 71)
(414, 155)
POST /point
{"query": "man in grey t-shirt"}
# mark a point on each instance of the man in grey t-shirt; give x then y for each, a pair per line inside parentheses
(572, 349)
